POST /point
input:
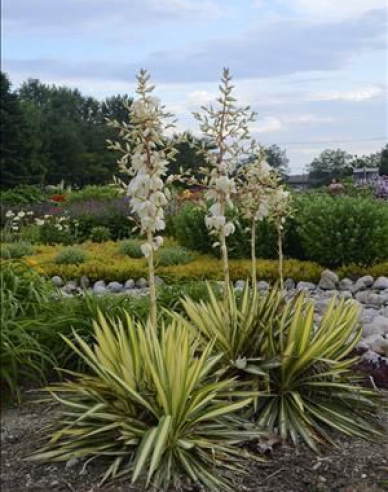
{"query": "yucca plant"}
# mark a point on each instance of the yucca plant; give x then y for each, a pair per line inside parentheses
(314, 389)
(150, 407)
(239, 328)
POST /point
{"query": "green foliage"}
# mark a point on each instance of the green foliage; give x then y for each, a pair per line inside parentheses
(93, 192)
(71, 256)
(22, 354)
(174, 256)
(100, 234)
(22, 195)
(277, 159)
(151, 407)
(191, 232)
(354, 271)
(313, 388)
(110, 213)
(16, 250)
(238, 327)
(329, 165)
(302, 373)
(131, 248)
(337, 231)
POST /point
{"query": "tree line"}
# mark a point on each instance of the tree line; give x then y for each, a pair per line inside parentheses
(52, 134)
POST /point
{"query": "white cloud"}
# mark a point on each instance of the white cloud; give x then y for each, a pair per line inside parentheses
(319, 10)
(266, 125)
(113, 17)
(308, 118)
(360, 95)
(200, 98)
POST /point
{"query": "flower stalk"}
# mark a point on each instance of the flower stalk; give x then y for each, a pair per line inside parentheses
(145, 158)
(225, 129)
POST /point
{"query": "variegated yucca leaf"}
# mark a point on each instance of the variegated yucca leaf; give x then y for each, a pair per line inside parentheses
(237, 329)
(314, 390)
(151, 407)
(302, 371)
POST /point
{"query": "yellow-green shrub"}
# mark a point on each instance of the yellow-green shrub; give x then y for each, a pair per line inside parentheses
(356, 271)
(106, 262)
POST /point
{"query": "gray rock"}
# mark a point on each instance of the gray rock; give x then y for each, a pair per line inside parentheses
(321, 305)
(378, 299)
(309, 286)
(72, 462)
(57, 281)
(329, 275)
(99, 283)
(345, 294)
(129, 284)
(70, 287)
(239, 285)
(371, 356)
(115, 287)
(368, 315)
(159, 281)
(141, 283)
(378, 344)
(262, 285)
(345, 284)
(367, 280)
(368, 330)
(99, 287)
(379, 326)
(358, 286)
(326, 284)
(381, 283)
(84, 282)
(381, 323)
(363, 296)
(289, 284)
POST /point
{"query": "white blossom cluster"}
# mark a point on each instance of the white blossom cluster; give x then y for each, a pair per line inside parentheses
(226, 131)
(256, 186)
(17, 220)
(280, 206)
(145, 158)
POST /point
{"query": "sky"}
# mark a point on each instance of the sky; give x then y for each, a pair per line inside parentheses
(315, 71)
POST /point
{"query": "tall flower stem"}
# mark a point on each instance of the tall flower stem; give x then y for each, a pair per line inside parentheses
(151, 281)
(253, 253)
(280, 253)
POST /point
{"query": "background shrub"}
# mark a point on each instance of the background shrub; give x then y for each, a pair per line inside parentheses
(112, 214)
(100, 234)
(16, 250)
(188, 227)
(174, 256)
(22, 195)
(131, 248)
(71, 256)
(337, 231)
(93, 192)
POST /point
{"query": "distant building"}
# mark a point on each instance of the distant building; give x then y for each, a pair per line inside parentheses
(299, 181)
(365, 175)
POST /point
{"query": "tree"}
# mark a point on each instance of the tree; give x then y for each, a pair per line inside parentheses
(383, 168)
(188, 156)
(13, 147)
(329, 165)
(277, 159)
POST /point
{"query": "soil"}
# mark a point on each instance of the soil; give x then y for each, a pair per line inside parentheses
(354, 466)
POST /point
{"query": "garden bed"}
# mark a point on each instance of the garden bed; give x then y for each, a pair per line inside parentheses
(355, 466)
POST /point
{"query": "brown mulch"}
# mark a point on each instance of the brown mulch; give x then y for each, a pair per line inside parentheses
(354, 466)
